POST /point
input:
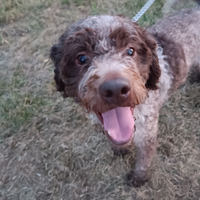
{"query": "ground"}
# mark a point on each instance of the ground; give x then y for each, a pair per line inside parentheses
(48, 148)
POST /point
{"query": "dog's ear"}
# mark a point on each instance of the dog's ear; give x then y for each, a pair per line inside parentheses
(56, 56)
(155, 71)
(151, 45)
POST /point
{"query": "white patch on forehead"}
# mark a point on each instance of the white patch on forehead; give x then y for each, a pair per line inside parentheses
(103, 46)
(103, 24)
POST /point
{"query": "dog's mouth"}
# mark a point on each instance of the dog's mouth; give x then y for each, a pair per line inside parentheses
(118, 124)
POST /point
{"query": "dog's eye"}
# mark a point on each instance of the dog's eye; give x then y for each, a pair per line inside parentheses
(82, 60)
(130, 52)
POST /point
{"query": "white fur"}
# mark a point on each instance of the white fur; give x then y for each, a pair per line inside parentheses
(147, 113)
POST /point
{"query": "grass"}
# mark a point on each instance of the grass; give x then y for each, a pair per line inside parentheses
(126, 7)
(16, 106)
(13, 10)
(49, 149)
(153, 14)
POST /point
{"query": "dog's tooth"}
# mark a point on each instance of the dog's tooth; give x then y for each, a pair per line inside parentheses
(108, 132)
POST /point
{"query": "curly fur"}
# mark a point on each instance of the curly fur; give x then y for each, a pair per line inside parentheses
(160, 63)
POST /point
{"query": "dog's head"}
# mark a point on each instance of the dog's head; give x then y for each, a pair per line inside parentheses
(107, 64)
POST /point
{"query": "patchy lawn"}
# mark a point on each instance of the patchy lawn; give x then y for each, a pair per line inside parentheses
(48, 148)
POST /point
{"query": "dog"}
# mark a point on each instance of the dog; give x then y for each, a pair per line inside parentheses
(122, 74)
(170, 3)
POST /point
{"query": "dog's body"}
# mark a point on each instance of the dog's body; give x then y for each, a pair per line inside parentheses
(115, 69)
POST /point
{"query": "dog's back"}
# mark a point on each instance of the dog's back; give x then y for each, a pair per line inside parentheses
(179, 36)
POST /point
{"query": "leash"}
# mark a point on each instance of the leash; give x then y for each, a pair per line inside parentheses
(142, 10)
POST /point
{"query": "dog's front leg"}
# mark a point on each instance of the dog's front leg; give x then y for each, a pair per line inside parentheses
(145, 155)
(146, 143)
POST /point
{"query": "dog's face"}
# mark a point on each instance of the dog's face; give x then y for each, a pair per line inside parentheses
(107, 64)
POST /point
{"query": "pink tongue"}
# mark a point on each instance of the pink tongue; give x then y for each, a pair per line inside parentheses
(119, 123)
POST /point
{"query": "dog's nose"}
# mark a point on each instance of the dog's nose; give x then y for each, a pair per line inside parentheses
(115, 91)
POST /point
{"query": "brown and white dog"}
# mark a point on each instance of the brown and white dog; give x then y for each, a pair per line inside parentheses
(120, 72)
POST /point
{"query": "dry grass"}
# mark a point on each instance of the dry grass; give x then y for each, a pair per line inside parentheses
(49, 150)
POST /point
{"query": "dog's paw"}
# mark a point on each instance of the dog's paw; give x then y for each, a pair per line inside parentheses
(134, 180)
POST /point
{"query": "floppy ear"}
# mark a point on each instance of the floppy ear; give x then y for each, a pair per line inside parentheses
(151, 45)
(56, 56)
(155, 71)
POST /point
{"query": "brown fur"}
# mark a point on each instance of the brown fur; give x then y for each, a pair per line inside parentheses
(109, 57)
(174, 51)
(68, 73)
(145, 46)
(92, 100)
(63, 55)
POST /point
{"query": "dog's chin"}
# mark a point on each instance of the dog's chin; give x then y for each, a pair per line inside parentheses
(118, 124)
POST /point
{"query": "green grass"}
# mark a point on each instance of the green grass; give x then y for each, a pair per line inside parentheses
(128, 8)
(12, 10)
(70, 158)
(152, 14)
(1, 38)
(17, 107)
(76, 2)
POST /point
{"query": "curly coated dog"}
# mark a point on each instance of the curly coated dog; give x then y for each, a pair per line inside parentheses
(122, 74)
